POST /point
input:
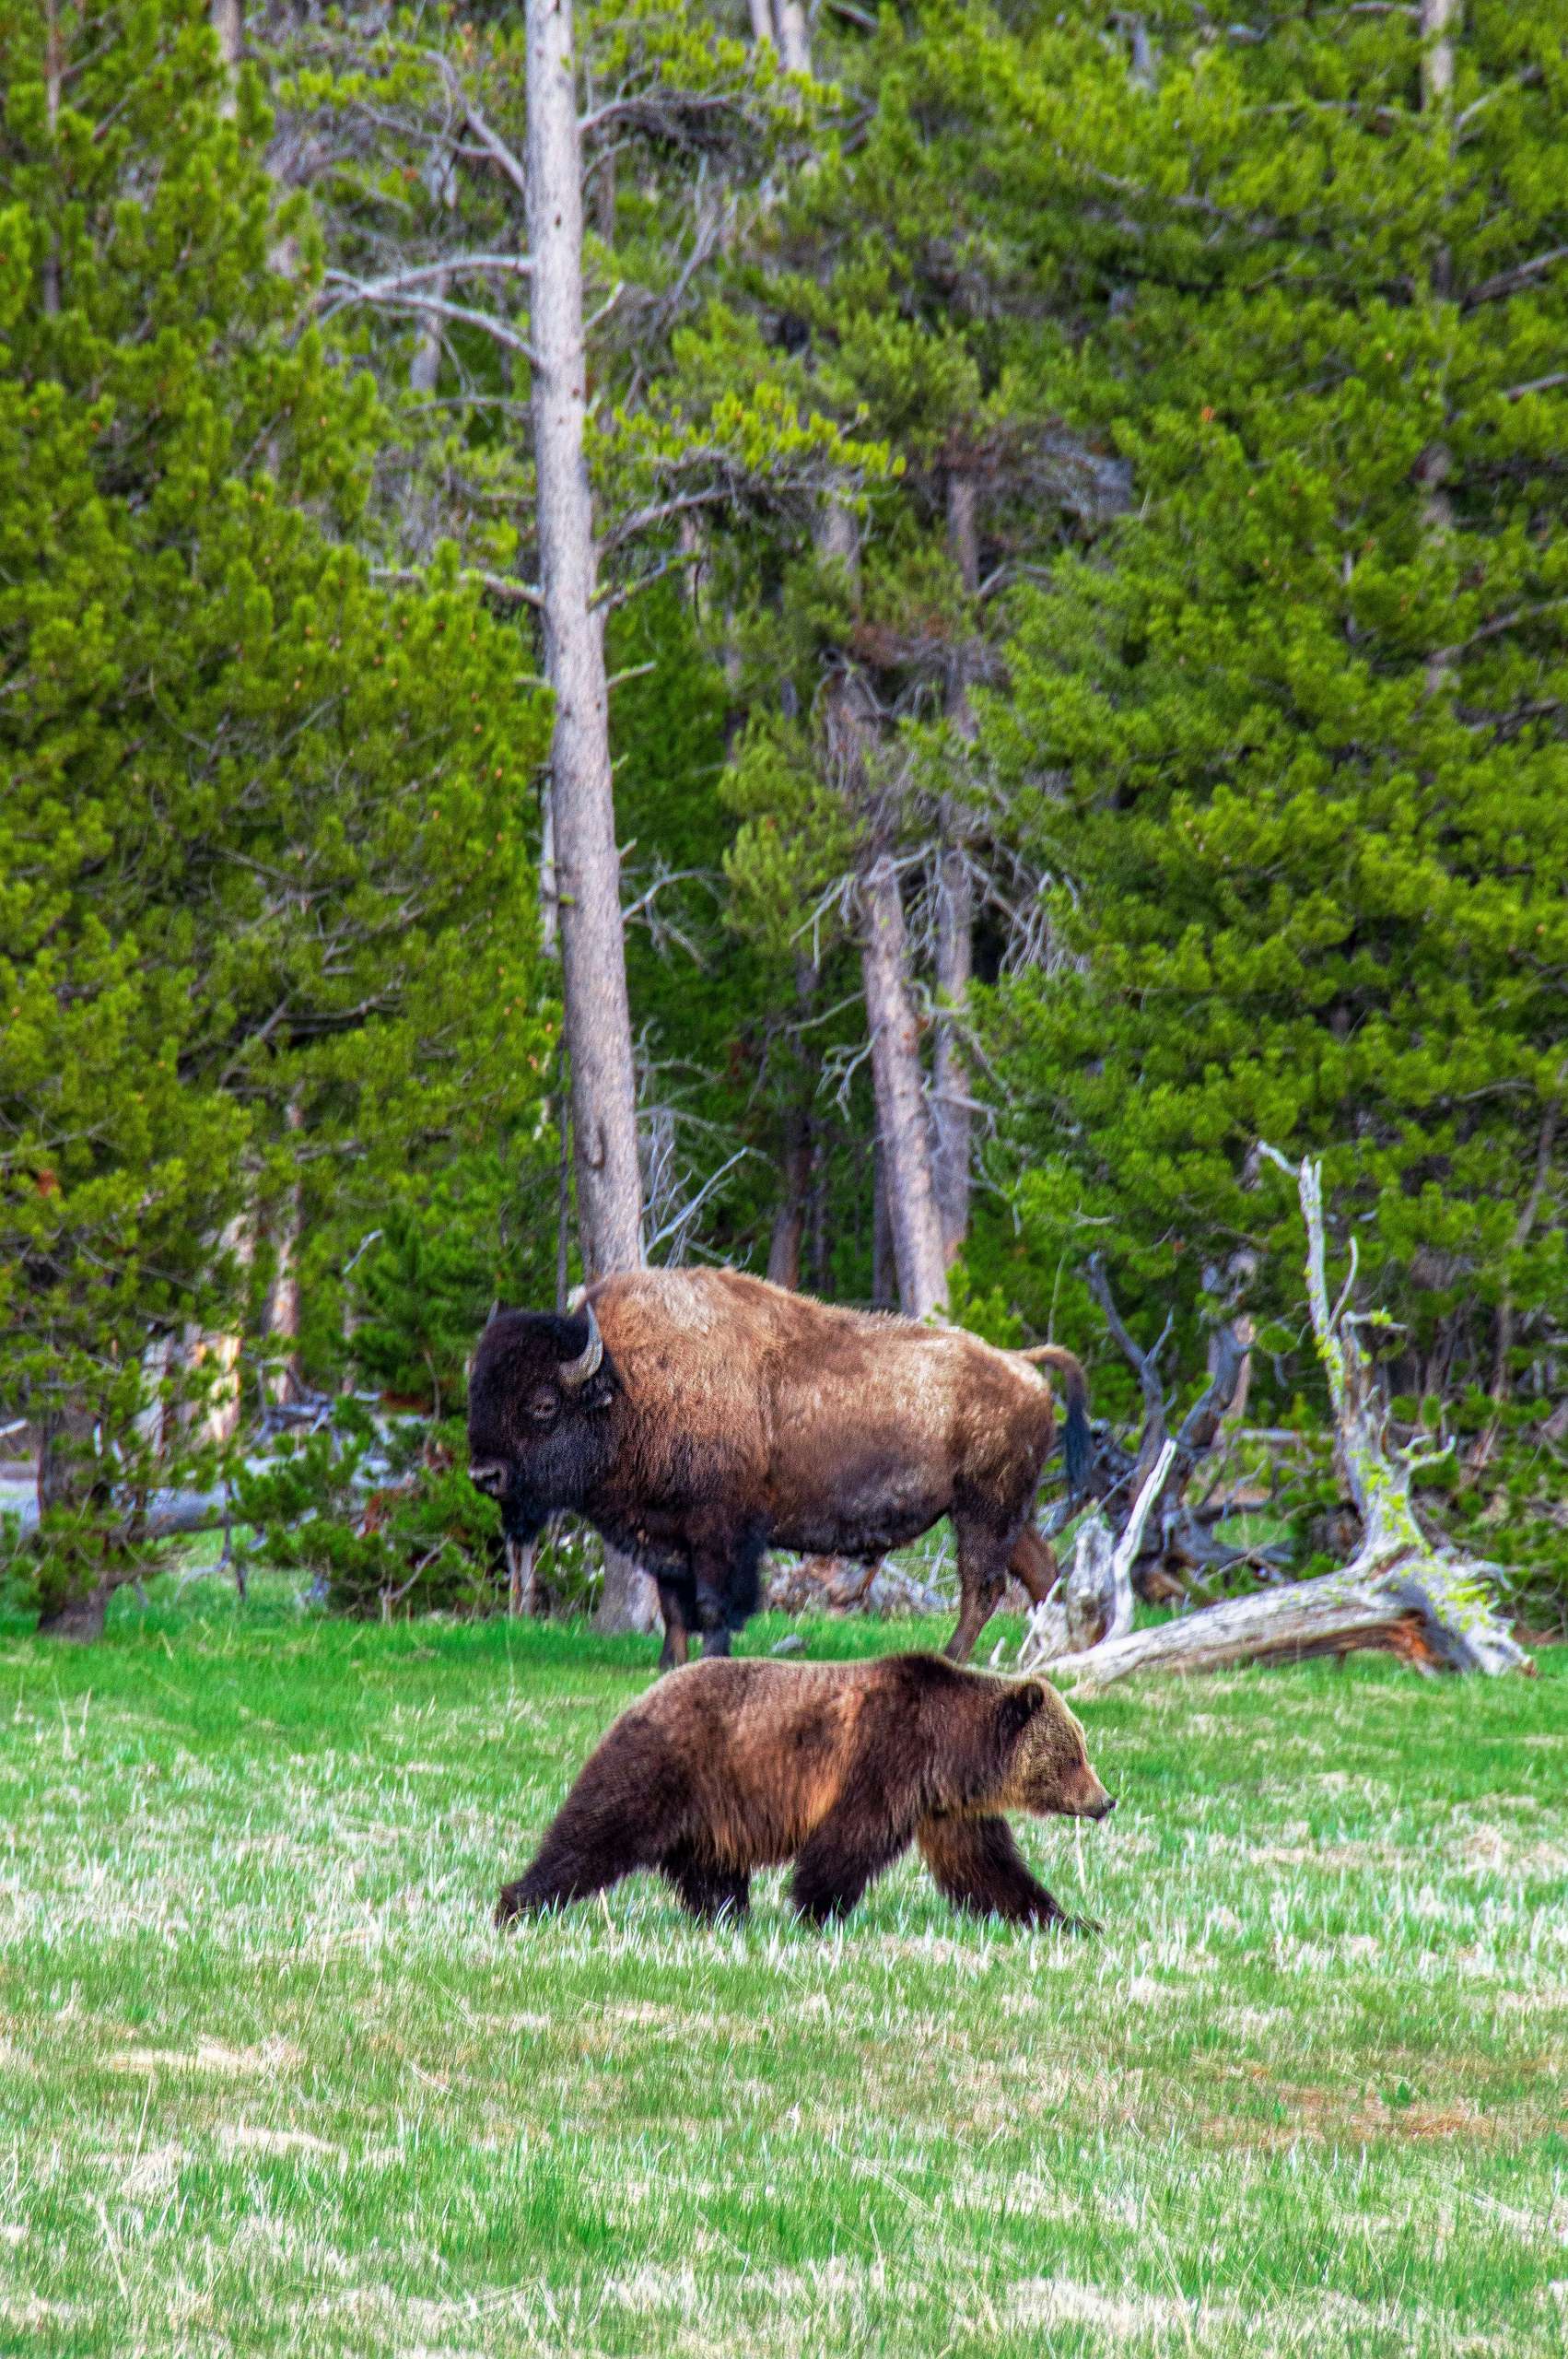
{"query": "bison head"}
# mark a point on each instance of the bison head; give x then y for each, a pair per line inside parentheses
(539, 1427)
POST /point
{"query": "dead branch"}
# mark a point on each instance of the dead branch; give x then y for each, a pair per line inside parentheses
(1428, 1603)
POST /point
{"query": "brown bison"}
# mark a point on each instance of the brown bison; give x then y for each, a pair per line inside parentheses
(698, 1417)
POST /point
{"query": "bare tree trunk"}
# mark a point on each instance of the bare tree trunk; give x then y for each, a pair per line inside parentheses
(903, 1126)
(900, 1097)
(582, 810)
(884, 1264)
(762, 21)
(789, 1222)
(228, 21)
(593, 957)
(794, 41)
(1401, 1590)
(54, 78)
(788, 1245)
(280, 1313)
(440, 180)
(1439, 21)
(951, 1121)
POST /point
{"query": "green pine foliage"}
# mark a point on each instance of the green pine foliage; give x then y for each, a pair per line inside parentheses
(265, 929)
(1294, 742)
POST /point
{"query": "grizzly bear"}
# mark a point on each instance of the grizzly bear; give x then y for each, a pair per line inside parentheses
(730, 1766)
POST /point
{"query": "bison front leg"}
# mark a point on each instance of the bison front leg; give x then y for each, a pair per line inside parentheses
(983, 1555)
(677, 1642)
(725, 1582)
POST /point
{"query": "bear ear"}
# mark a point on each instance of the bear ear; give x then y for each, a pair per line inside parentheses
(1019, 1708)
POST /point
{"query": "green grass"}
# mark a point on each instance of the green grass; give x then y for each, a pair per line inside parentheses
(271, 2083)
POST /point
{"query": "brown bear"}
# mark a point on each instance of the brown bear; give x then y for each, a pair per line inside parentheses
(730, 1766)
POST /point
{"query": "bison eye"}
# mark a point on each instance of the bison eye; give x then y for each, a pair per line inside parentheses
(545, 1406)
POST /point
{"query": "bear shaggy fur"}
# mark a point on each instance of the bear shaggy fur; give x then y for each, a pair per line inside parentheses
(728, 1766)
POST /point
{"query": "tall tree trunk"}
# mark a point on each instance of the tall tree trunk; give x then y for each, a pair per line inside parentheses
(228, 21)
(54, 78)
(440, 181)
(280, 1313)
(897, 1079)
(884, 1266)
(593, 955)
(951, 1122)
(787, 1244)
(762, 20)
(1439, 21)
(901, 1125)
(582, 811)
(794, 41)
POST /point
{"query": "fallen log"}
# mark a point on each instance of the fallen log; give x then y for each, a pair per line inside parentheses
(1421, 1599)
(844, 1585)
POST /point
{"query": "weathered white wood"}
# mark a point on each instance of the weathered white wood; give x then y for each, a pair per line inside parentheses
(1092, 1608)
(1404, 1591)
(594, 960)
(902, 1123)
(587, 861)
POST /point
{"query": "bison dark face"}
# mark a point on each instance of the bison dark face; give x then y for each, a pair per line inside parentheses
(540, 1414)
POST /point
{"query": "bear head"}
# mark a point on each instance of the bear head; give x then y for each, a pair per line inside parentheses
(1047, 1769)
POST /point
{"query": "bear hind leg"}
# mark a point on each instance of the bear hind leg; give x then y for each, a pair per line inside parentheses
(705, 1890)
(978, 1865)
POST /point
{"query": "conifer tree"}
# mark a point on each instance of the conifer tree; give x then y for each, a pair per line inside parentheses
(1297, 746)
(261, 843)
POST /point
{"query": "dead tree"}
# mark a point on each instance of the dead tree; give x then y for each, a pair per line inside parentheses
(1416, 1596)
(1177, 1542)
(1092, 1606)
(596, 1006)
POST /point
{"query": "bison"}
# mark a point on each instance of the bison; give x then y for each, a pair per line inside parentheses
(698, 1417)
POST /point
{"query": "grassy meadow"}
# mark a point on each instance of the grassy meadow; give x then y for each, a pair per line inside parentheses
(271, 2083)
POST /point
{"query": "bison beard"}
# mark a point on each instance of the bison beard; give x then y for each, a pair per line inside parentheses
(698, 1417)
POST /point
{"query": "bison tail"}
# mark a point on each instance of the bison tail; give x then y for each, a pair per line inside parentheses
(1076, 1442)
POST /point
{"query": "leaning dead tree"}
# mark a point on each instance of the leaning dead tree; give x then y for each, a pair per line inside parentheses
(1416, 1596)
(1177, 1542)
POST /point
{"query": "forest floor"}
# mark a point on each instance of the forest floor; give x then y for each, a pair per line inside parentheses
(270, 2082)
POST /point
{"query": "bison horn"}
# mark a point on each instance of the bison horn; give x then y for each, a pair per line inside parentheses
(574, 1373)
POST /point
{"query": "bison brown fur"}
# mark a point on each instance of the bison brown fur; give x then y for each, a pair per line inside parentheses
(731, 1767)
(698, 1417)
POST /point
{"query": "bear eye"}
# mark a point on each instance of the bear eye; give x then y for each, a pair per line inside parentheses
(545, 1406)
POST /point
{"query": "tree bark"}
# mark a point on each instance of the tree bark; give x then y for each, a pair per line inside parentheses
(900, 1097)
(1402, 1590)
(1439, 20)
(593, 959)
(794, 41)
(440, 180)
(587, 862)
(280, 1311)
(951, 1121)
(228, 21)
(898, 1080)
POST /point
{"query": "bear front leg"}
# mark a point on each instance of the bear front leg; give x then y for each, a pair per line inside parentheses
(978, 1865)
(852, 1845)
(707, 1889)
